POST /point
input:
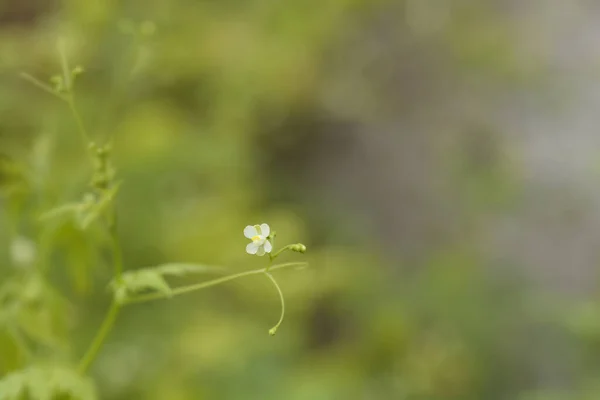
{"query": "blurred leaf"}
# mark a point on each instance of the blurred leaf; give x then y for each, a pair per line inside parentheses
(152, 278)
(69, 208)
(36, 309)
(46, 383)
(11, 174)
(90, 213)
(138, 282)
(584, 321)
(87, 211)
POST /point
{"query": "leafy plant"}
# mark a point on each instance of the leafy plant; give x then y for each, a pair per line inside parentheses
(32, 310)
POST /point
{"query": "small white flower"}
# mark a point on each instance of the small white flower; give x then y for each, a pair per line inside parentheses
(259, 235)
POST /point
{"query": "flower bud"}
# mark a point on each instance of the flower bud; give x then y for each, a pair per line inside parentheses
(299, 248)
(78, 70)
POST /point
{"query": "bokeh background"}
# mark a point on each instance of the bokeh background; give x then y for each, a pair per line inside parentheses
(440, 160)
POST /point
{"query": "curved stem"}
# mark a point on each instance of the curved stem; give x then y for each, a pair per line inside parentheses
(204, 285)
(273, 330)
(64, 64)
(105, 328)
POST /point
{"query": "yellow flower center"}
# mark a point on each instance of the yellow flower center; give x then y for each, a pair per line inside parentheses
(256, 238)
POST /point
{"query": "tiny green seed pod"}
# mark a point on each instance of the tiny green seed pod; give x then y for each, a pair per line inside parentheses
(299, 248)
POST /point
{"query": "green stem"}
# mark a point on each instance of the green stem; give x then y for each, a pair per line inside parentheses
(105, 328)
(80, 126)
(36, 82)
(111, 316)
(64, 63)
(273, 330)
(204, 285)
(116, 246)
(284, 248)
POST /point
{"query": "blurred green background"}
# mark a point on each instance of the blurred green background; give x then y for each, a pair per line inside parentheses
(404, 142)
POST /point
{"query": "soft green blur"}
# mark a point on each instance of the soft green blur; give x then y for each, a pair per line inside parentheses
(224, 114)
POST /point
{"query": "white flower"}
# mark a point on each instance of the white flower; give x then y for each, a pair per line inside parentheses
(259, 235)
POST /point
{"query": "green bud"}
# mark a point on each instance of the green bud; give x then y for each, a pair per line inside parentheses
(100, 181)
(58, 83)
(78, 70)
(103, 151)
(272, 331)
(299, 248)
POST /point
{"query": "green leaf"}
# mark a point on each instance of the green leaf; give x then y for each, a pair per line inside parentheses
(90, 213)
(36, 309)
(46, 383)
(65, 209)
(152, 279)
(138, 282)
(86, 211)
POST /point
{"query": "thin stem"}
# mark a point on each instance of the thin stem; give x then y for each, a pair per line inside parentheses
(111, 316)
(80, 126)
(36, 82)
(273, 330)
(116, 246)
(204, 285)
(284, 248)
(105, 328)
(64, 63)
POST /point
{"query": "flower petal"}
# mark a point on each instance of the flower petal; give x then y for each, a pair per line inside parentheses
(250, 231)
(268, 246)
(261, 251)
(265, 230)
(252, 248)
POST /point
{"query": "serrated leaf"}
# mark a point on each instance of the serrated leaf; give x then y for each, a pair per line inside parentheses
(46, 383)
(152, 278)
(138, 282)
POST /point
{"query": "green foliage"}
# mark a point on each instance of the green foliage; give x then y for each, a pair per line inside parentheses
(35, 309)
(153, 279)
(186, 96)
(88, 210)
(46, 383)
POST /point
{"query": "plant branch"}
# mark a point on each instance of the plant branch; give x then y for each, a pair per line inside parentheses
(273, 330)
(39, 84)
(116, 246)
(80, 126)
(105, 328)
(204, 285)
